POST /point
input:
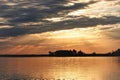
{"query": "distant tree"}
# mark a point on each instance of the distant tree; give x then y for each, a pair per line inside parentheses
(51, 53)
(74, 51)
(109, 53)
(81, 52)
(117, 52)
(94, 53)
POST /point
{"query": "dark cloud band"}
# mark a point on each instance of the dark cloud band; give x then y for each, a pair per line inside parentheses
(31, 11)
(69, 24)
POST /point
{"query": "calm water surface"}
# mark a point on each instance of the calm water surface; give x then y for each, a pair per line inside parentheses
(54, 68)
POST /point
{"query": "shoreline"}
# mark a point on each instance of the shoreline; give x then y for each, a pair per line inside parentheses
(59, 56)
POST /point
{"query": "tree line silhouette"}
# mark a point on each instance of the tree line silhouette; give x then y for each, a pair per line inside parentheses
(64, 53)
(81, 53)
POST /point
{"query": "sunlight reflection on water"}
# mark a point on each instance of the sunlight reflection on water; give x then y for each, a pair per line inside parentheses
(71, 68)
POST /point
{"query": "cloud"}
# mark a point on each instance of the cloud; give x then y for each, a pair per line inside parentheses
(17, 14)
(86, 22)
(82, 22)
(11, 42)
(25, 13)
(19, 19)
(113, 33)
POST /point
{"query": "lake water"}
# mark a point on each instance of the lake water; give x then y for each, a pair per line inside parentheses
(59, 68)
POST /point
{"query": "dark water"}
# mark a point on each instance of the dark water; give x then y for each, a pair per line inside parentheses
(71, 68)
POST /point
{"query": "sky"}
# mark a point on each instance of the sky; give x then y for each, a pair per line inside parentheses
(39, 26)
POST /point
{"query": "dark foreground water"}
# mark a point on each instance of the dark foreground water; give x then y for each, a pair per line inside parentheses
(55, 68)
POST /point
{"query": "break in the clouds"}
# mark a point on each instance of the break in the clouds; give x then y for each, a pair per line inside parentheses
(26, 24)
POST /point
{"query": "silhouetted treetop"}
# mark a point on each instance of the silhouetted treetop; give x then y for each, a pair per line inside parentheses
(117, 52)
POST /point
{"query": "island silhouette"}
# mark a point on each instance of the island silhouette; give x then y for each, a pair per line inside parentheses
(81, 53)
(66, 53)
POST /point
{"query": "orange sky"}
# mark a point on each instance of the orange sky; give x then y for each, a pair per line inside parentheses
(87, 25)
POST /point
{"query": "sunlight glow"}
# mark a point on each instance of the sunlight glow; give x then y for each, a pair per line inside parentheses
(86, 39)
(74, 33)
(76, 13)
(87, 33)
(69, 4)
(6, 26)
(97, 10)
(54, 19)
(79, 1)
(11, 4)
